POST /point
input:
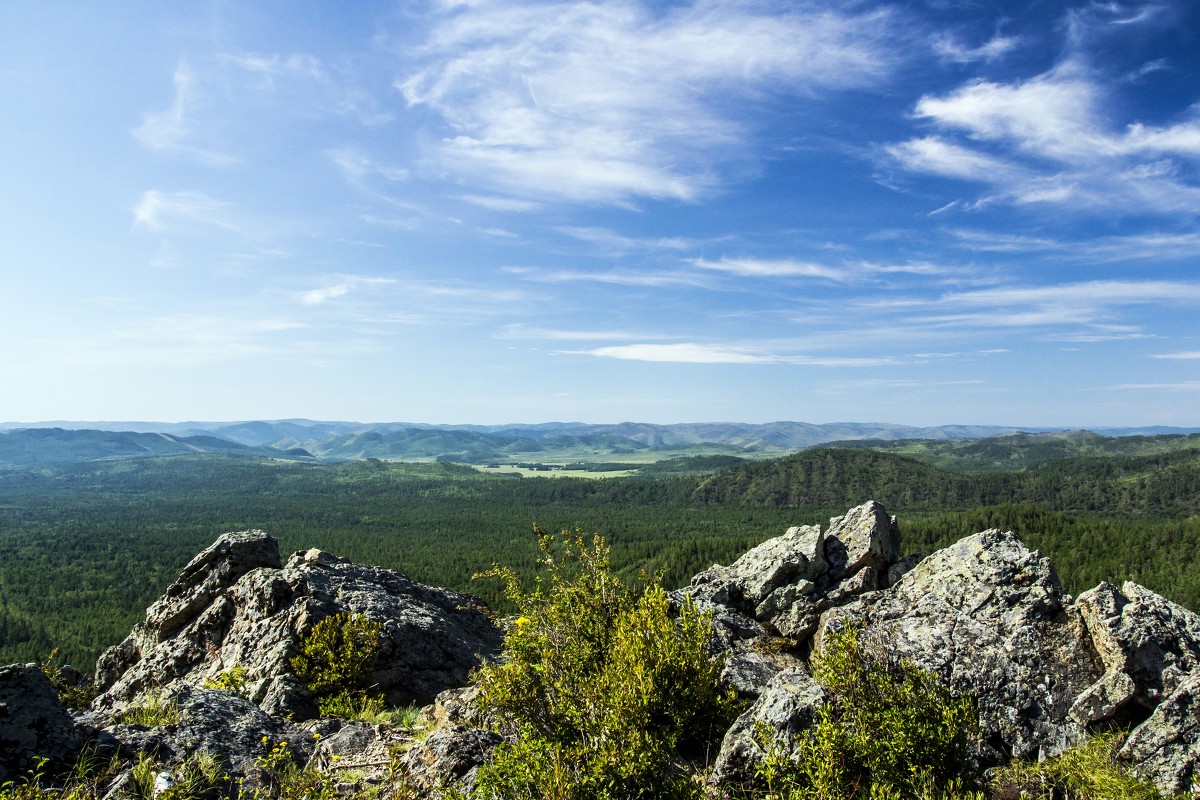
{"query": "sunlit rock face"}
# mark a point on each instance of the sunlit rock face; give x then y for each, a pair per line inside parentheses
(236, 605)
(986, 615)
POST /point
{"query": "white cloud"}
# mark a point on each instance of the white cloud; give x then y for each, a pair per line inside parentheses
(1184, 386)
(274, 65)
(608, 102)
(1188, 355)
(501, 203)
(1086, 293)
(764, 268)
(170, 129)
(1052, 115)
(611, 240)
(614, 277)
(950, 49)
(935, 155)
(157, 210)
(357, 165)
(695, 353)
(315, 297)
(1053, 140)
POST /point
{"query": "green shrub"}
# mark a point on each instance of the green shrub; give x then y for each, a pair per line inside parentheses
(285, 780)
(356, 705)
(602, 692)
(235, 680)
(888, 729)
(1087, 772)
(155, 711)
(337, 660)
(71, 694)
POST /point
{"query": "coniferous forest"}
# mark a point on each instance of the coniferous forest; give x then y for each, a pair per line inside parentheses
(84, 548)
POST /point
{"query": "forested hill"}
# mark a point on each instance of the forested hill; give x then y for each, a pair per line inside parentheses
(85, 547)
(1166, 483)
(1017, 450)
(41, 447)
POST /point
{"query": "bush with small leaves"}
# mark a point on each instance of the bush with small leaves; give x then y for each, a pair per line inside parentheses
(336, 663)
(235, 681)
(888, 729)
(74, 690)
(1087, 772)
(602, 692)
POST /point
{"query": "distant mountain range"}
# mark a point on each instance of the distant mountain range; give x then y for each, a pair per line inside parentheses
(46, 443)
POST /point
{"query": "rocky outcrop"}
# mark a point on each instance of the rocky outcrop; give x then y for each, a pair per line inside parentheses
(987, 616)
(236, 606)
(230, 729)
(990, 618)
(1165, 748)
(34, 724)
(786, 707)
(448, 758)
(787, 582)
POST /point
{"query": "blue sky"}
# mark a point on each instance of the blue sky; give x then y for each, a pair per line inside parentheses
(479, 212)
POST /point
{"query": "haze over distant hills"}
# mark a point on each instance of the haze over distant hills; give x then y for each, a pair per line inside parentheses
(44, 443)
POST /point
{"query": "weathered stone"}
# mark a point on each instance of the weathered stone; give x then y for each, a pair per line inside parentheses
(1165, 748)
(787, 582)
(203, 581)
(460, 707)
(224, 726)
(988, 616)
(1147, 637)
(787, 706)
(871, 537)
(1104, 699)
(798, 555)
(216, 618)
(901, 568)
(34, 724)
(449, 758)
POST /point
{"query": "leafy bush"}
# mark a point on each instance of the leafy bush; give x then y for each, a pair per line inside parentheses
(602, 692)
(234, 681)
(1087, 772)
(285, 780)
(155, 711)
(888, 729)
(336, 663)
(74, 691)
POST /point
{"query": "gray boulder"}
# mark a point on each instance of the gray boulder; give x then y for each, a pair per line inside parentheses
(34, 724)
(1165, 748)
(448, 758)
(786, 583)
(235, 606)
(230, 729)
(786, 707)
(990, 618)
(1146, 643)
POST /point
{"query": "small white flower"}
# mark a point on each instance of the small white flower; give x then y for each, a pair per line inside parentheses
(162, 782)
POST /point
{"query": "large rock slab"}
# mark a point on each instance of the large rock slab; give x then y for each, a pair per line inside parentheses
(990, 618)
(787, 706)
(1165, 748)
(786, 583)
(1148, 645)
(235, 606)
(219, 724)
(34, 724)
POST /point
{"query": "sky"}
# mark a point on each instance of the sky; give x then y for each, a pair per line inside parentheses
(928, 212)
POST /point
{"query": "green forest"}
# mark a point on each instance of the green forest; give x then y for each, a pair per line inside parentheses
(84, 548)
